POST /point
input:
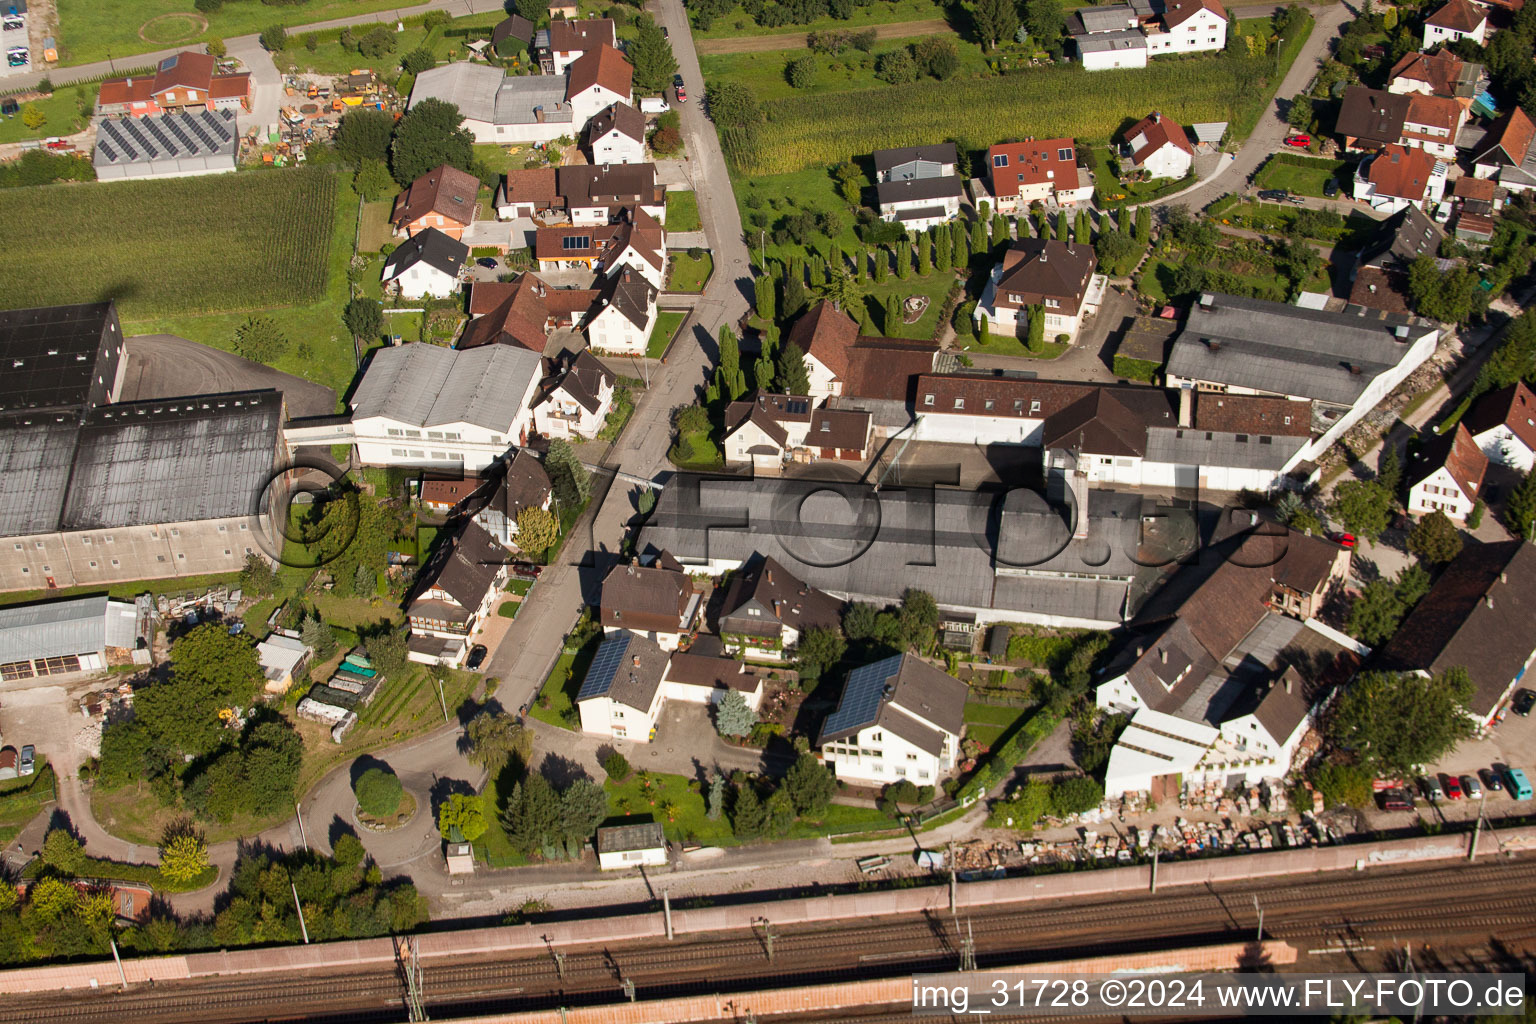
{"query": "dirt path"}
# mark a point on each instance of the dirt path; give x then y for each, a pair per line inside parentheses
(796, 40)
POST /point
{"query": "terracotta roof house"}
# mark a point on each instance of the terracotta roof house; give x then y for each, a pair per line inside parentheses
(1479, 616)
(454, 591)
(560, 45)
(1019, 173)
(1459, 19)
(575, 399)
(597, 79)
(1437, 74)
(658, 601)
(443, 198)
(1158, 145)
(522, 312)
(1447, 475)
(825, 334)
(182, 81)
(1054, 275)
(1432, 124)
(1503, 424)
(767, 610)
(1188, 26)
(1506, 154)
(1397, 178)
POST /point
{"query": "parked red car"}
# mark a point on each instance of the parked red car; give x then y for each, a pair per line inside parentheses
(1343, 540)
(1299, 141)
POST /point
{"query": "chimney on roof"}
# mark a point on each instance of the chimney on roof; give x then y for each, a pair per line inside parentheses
(1213, 344)
(1157, 117)
(637, 661)
(768, 575)
(1207, 301)
(1162, 655)
(1354, 369)
(1140, 650)
(1488, 600)
(1503, 577)
(1287, 684)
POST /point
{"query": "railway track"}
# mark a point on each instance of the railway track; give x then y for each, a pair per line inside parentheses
(1494, 899)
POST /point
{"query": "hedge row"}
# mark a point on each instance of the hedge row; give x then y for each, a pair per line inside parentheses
(1004, 759)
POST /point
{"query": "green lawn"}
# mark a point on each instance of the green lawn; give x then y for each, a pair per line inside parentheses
(329, 58)
(935, 286)
(509, 609)
(21, 799)
(373, 231)
(519, 587)
(1300, 174)
(683, 211)
(494, 848)
(558, 695)
(686, 274)
(882, 12)
(667, 324)
(90, 30)
(622, 409)
(985, 722)
(764, 71)
(61, 109)
(320, 349)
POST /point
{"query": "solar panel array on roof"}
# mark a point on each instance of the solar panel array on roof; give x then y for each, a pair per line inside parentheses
(604, 664)
(861, 696)
(171, 136)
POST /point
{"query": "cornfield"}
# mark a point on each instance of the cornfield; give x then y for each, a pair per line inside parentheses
(1045, 103)
(249, 240)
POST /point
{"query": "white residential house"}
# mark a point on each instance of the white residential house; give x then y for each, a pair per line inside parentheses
(1054, 275)
(597, 80)
(1158, 145)
(631, 678)
(568, 40)
(574, 401)
(427, 263)
(1447, 476)
(1503, 423)
(767, 610)
(658, 601)
(425, 405)
(919, 203)
(625, 314)
(897, 719)
(1188, 26)
(762, 430)
(1399, 177)
(1459, 19)
(617, 135)
(519, 483)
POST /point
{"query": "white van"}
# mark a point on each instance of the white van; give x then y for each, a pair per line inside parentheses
(654, 105)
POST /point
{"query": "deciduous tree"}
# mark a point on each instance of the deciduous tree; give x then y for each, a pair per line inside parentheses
(1397, 723)
(430, 135)
(1435, 538)
(463, 813)
(1364, 507)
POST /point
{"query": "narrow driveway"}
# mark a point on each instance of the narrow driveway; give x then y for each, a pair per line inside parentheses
(1269, 136)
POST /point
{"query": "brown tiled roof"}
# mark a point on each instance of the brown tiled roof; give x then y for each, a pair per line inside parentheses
(618, 116)
(613, 184)
(1512, 133)
(645, 598)
(839, 428)
(126, 90)
(584, 379)
(445, 190)
(1379, 288)
(884, 368)
(1400, 172)
(1157, 131)
(1036, 270)
(1032, 162)
(584, 34)
(1283, 707)
(769, 412)
(602, 65)
(1436, 111)
(1474, 225)
(826, 332)
(1251, 414)
(1460, 456)
(1480, 615)
(449, 492)
(1373, 116)
(230, 86)
(536, 186)
(715, 673)
(464, 566)
(1180, 11)
(524, 484)
(1476, 189)
(1439, 71)
(188, 69)
(1098, 423)
(1011, 397)
(1513, 406)
(779, 596)
(551, 244)
(1458, 16)
(521, 318)
(516, 27)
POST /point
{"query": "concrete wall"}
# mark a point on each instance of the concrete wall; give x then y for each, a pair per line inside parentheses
(125, 554)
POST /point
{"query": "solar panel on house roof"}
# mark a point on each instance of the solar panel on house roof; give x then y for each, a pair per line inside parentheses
(604, 664)
(108, 151)
(861, 696)
(574, 242)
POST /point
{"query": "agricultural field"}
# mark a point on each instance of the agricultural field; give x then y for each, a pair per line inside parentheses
(90, 30)
(233, 241)
(806, 131)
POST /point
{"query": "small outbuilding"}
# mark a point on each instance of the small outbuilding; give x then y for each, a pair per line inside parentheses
(631, 846)
(461, 859)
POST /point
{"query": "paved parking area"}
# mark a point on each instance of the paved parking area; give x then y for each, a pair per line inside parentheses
(46, 715)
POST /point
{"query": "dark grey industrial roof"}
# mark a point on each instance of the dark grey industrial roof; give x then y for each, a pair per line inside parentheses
(173, 460)
(48, 355)
(959, 546)
(56, 629)
(532, 99)
(1217, 448)
(35, 455)
(428, 385)
(939, 153)
(625, 838)
(1289, 350)
(432, 247)
(945, 186)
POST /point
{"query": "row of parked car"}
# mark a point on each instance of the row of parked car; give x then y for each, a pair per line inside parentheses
(1486, 782)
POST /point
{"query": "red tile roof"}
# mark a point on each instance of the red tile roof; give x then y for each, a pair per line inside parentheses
(1157, 131)
(186, 70)
(126, 90)
(225, 87)
(1251, 414)
(536, 186)
(1513, 406)
(602, 66)
(1180, 11)
(1477, 189)
(1457, 16)
(1459, 455)
(445, 190)
(521, 318)
(1401, 173)
(1513, 134)
(884, 368)
(827, 333)
(1032, 162)
(585, 34)
(1439, 71)
(1436, 112)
